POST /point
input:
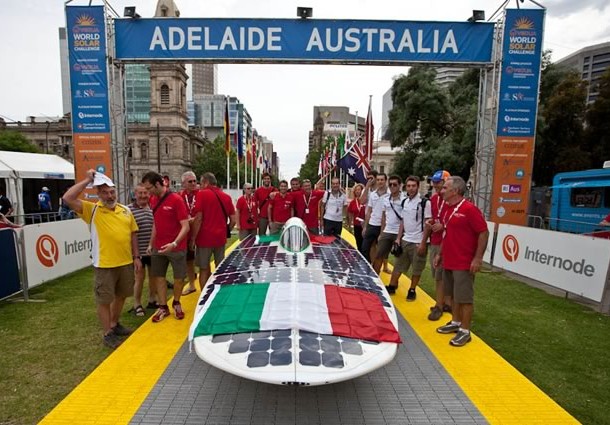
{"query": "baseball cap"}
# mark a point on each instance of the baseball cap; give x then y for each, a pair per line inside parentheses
(100, 179)
(45, 189)
(440, 175)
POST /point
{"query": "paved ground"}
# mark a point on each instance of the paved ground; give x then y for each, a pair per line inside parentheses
(414, 389)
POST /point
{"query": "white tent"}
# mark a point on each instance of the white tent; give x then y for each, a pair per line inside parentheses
(16, 166)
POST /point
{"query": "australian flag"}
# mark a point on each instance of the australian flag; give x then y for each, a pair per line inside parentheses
(355, 164)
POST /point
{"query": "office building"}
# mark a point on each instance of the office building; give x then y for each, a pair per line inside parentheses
(591, 62)
(333, 121)
(204, 79)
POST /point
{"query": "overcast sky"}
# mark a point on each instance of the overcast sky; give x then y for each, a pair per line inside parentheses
(280, 98)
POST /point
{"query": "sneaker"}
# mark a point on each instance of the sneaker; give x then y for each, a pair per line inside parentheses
(460, 339)
(449, 328)
(111, 340)
(162, 313)
(435, 314)
(391, 289)
(178, 310)
(120, 330)
(447, 308)
(411, 295)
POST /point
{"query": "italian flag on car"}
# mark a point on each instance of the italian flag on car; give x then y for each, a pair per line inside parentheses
(319, 308)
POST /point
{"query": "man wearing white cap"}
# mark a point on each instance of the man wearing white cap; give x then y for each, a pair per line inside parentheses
(114, 250)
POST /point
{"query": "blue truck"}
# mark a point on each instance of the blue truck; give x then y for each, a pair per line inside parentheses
(580, 200)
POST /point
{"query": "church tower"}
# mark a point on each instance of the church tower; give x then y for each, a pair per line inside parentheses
(168, 113)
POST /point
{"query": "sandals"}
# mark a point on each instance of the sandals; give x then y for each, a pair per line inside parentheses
(139, 311)
(188, 291)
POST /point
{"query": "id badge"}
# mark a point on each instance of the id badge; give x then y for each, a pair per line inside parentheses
(306, 210)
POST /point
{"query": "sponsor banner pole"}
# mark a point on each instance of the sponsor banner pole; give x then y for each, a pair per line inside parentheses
(86, 34)
(517, 113)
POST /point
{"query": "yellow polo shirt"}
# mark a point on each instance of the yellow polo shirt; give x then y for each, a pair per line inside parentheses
(111, 232)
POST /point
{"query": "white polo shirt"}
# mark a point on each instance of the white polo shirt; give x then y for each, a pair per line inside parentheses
(376, 201)
(392, 220)
(412, 219)
(333, 205)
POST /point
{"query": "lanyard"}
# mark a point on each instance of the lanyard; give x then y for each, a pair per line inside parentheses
(453, 213)
(307, 201)
(189, 205)
(249, 203)
(440, 203)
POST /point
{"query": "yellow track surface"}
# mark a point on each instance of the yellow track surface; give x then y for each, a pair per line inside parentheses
(115, 390)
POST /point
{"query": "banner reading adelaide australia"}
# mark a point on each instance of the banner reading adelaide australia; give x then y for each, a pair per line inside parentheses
(517, 111)
(89, 88)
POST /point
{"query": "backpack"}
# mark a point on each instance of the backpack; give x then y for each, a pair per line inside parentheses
(422, 205)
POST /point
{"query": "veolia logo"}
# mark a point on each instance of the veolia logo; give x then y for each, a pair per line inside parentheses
(47, 251)
(510, 248)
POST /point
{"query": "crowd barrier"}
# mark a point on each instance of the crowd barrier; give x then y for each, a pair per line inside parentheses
(575, 263)
(37, 253)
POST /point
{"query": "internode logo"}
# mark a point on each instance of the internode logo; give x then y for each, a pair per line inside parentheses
(510, 248)
(47, 251)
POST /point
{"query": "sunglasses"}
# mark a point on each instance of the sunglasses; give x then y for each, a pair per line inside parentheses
(191, 181)
(394, 184)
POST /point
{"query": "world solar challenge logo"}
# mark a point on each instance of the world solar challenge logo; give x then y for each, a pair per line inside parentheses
(86, 34)
(523, 37)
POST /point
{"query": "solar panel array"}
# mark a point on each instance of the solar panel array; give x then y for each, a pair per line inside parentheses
(336, 263)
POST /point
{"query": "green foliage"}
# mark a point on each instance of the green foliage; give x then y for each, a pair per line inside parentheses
(560, 145)
(597, 133)
(309, 169)
(213, 159)
(446, 119)
(14, 141)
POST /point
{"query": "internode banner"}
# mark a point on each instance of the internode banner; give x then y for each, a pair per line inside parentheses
(89, 87)
(517, 111)
(303, 40)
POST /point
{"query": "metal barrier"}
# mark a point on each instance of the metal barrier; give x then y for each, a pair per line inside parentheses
(573, 226)
(37, 218)
(535, 221)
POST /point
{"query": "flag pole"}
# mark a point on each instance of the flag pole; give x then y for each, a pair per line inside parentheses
(227, 138)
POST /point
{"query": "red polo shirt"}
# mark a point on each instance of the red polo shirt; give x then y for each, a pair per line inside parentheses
(213, 230)
(282, 208)
(262, 197)
(306, 207)
(462, 228)
(247, 208)
(437, 204)
(167, 220)
(358, 210)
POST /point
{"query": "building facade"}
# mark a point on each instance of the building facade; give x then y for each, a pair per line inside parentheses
(591, 62)
(204, 79)
(333, 121)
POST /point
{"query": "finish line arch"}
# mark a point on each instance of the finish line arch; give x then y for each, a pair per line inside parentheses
(508, 53)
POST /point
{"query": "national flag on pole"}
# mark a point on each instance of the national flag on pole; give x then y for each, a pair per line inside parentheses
(248, 149)
(240, 142)
(227, 128)
(321, 165)
(311, 307)
(254, 148)
(355, 164)
(369, 132)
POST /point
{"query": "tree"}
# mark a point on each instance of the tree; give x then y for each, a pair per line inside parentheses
(597, 133)
(560, 144)
(309, 169)
(14, 141)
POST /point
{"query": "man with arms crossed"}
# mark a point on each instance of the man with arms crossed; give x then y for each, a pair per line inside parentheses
(167, 243)
(410, 236)
(461, 255)
(115, 247)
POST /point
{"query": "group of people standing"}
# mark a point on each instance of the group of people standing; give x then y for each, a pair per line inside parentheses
(387, 220)
(187, 229)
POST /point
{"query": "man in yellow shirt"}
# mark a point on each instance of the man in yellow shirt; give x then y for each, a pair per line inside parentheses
(115, 247)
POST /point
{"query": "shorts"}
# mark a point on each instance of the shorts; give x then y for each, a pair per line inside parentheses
(190, 254)
(410, 258)
(460, 284)
(275, 227)
(437, 272)
(146, 260)
(384, 245)
(112, 282)
(203, 256)
(160, 262)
